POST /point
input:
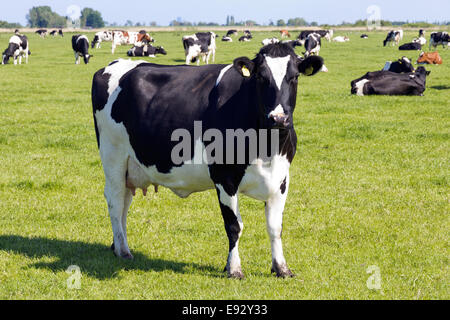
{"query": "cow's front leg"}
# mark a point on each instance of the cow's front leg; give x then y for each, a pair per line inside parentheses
(274, 219)
(233, 226)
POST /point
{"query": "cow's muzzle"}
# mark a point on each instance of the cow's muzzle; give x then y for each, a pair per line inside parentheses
(280, 120)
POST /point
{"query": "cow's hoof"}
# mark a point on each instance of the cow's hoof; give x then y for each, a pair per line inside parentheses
(236, 275)
(282, 271)
(124, 255)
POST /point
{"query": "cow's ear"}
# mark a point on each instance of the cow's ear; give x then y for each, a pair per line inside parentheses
(244, 66)
(311, 65)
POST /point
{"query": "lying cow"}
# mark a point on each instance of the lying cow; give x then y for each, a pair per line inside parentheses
(121, 37)
(439, 38)
(245, 38)
(421, 40)
(200, 44)
(410, 46)
(146, 51)
(312, 44)
(402, 65)
(227, 39)
(141, 112)
(232, 32)
(17, 47)
(429, 58)
(341, 39)
(80, 46)
(391, 83)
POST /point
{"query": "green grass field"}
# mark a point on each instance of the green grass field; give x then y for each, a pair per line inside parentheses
(369, 186)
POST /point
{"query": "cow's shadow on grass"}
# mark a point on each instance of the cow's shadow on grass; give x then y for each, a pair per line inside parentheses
(94, 259)
(441, 87)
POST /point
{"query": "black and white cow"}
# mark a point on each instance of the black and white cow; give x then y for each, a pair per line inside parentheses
(327, 34)
(437, 38)
(245, 38)
(393, 36)
(41, 32)
(391, 83)
(18, 46)
(312, 44)
(402, 65)
(292, 43)
(227, 39)
(364, 36)
(410, 46)
(57, 32)
(267, 41)
(146, 51)
(200, 44)
(232, 32)
(141, 110)
(247, 33)
(80, 46)
(101, 36)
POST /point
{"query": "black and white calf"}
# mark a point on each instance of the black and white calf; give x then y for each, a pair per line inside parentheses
(200, 44)
(439, 38)
(17, 48)
(312, 44)
(140, 110)
(101, 36)
(391, 83)
(146, 51)
(393, 36)
(80, 46)
(402, 65)
(245, 38)
(42, 32)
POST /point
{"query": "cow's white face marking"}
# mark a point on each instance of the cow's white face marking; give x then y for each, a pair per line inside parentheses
(360, 86)
(277, 111)
(278, 67)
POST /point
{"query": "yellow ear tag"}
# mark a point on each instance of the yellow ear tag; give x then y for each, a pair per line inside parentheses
(309, 70)
(245, 72)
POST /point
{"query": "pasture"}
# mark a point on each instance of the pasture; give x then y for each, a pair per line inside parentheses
(369, 187)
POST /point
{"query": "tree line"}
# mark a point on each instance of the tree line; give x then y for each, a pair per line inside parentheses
(44, 17)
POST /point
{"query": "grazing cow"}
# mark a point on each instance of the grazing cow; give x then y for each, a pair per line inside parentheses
(341, 39)
(364, 36)
(42, 32)
(267, 41)
(402, 65)
(140, 113)
(80, 46)
(55, 32)
(429, 58)
(327, 34)
(245, 38)
(437, 38)
(200, 44)
(391, 83)
(292, 43)
(421, 33)
(232, 33)
(18, 46)
(312, 44)
(121, 37)
(227, 39)
(146, 51)
(410, 46)
(100, 37)
(393, 36)
(285, 33)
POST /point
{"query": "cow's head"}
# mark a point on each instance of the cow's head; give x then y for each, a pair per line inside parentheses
(274, 73)
(9, 52)
(86, 58)
(406, 65)
(94, 41)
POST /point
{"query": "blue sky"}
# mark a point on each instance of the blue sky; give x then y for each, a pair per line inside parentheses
(261, 11)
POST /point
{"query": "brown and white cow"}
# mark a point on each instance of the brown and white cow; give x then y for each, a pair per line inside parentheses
(121, 37)
(285, 33)
(429, 58)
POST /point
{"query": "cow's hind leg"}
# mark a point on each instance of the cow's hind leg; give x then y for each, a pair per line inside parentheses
(274, 219)
(233, 227)
(117, 196)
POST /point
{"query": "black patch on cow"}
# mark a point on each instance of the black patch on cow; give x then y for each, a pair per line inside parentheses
(231, 223)
(283, 186)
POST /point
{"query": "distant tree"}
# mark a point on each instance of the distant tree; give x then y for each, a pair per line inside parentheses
(281, 23)
(297, 22)
(129, 23)
(313, 24)
(91, 18)
(153, 23)
(6, 24)
(44, 17)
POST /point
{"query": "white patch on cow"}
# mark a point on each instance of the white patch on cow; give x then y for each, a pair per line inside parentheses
(360, 86)
(387, 65)
(277, 111)
(117, 70)
(324, 68)
(82, 37)
(278, 68)
(262, 179)
(406, 59)
(222, 73)
(16, 40)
